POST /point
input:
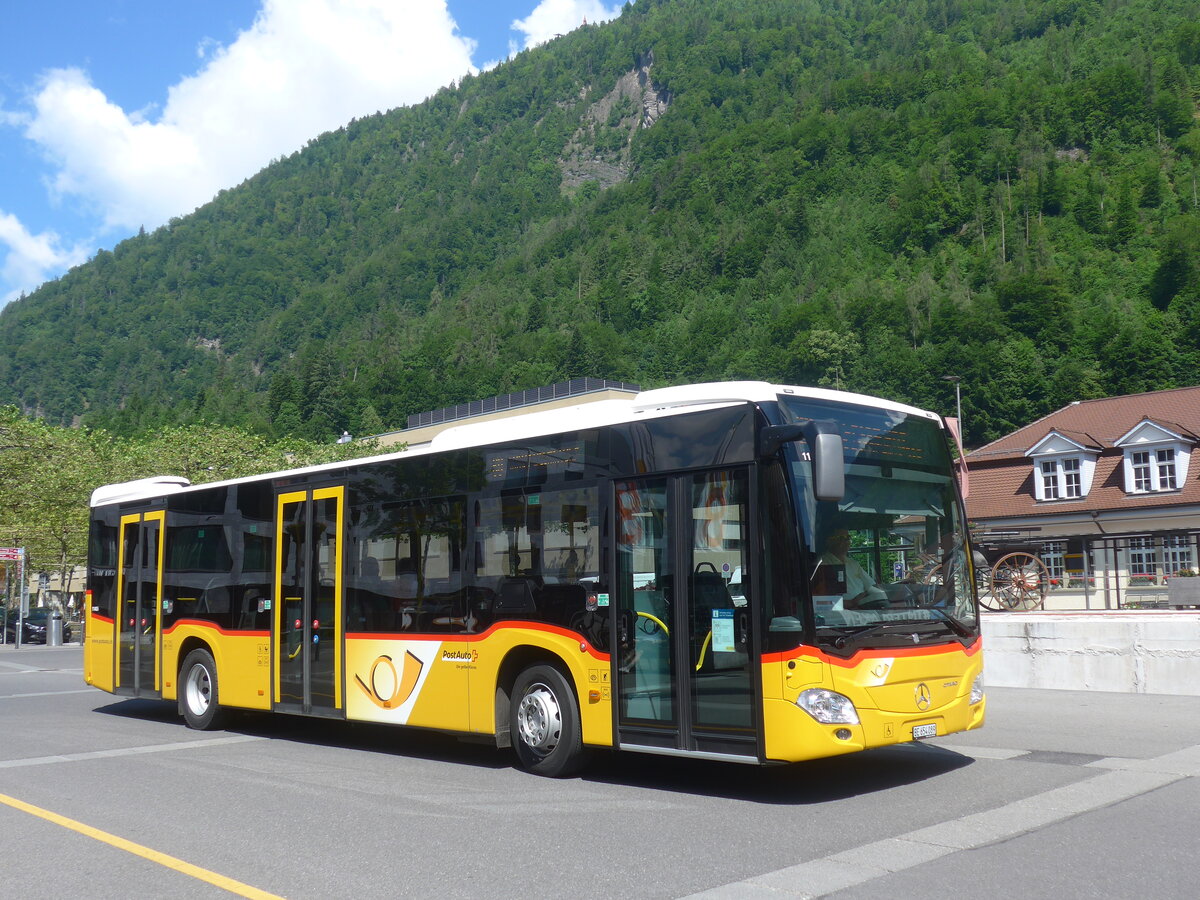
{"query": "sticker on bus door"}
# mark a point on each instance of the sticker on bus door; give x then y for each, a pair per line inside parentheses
(723, 640)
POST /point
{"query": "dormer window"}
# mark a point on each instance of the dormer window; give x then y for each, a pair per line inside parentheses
(1140, 463)
(1072, 483)
(1166, 469)
(1049, 480)
(1063, 467)
(1062, 478)
(1156, 458)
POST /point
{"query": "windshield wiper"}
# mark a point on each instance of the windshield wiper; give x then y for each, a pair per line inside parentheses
(952, 623)
(846, 637)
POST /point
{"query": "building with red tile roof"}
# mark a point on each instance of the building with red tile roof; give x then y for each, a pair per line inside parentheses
(1103, 491)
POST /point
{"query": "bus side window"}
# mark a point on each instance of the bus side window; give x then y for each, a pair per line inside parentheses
(102, 560)
(783, 604)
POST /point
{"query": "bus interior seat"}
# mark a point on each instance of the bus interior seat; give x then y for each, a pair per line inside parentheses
(709, 592)
(514, 596)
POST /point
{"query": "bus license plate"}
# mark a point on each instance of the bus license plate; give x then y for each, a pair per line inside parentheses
(924, 731)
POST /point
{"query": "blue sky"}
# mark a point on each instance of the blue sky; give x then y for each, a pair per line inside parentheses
(120, 114)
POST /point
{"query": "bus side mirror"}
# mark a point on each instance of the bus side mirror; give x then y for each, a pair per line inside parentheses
(825, 446)
(829, 470)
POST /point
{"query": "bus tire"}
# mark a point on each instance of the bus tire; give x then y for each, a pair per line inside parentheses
(198, 697)
(544, 723)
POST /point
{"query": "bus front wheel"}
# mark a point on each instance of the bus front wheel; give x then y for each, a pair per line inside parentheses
(198, 699)
(544, 723)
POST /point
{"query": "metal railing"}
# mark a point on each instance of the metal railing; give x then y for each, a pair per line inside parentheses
(558, 391)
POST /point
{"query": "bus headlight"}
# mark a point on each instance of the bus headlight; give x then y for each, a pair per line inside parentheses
(977, 689)
(828, 707)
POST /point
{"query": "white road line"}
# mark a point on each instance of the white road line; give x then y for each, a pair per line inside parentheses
(982, 752)
(46, 694)
(1185, 763)
(1126, 779)
(18, 668)
(127, 751)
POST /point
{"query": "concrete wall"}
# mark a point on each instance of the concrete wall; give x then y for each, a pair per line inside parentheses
(1142, 652)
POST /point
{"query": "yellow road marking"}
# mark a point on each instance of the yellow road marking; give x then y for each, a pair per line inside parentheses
(228, 884)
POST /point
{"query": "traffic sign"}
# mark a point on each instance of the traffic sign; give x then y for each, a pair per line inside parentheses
(10, 552)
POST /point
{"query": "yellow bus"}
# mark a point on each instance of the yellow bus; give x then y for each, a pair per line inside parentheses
(558, 582)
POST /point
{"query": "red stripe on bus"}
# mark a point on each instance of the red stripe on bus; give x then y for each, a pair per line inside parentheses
(549, 629)
(215, 627)
(96, 617)
(874, 653)
(465, 636)
(401, 636)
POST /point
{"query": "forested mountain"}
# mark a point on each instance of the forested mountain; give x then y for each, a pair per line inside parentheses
(868, 193)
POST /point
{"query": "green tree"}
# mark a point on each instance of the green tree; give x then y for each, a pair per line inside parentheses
(1125, 220)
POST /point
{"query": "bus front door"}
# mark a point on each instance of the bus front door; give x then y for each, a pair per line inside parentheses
(683, 668)
(307, 619)
(139, 605)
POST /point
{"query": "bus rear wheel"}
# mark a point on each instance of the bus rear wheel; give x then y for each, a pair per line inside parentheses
(198, 698)
(544, 723)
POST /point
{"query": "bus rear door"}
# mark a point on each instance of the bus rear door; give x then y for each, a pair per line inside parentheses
(139, 605)
(307, 621)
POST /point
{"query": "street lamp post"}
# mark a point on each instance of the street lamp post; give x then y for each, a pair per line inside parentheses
(957, 398)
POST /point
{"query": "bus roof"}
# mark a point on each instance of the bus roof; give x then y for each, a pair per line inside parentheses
(645, 405)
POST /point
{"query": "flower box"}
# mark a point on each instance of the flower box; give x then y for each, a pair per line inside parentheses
(1183, 591)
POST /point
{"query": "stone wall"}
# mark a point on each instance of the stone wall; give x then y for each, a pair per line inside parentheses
(1142, 652)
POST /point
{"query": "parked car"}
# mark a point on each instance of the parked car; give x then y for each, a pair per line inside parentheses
(737, 590)
(37, 622)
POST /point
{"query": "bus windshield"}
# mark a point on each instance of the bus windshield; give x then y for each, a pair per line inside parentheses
(892, 551)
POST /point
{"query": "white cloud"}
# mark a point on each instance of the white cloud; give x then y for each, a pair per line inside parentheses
(554, 17)
(304, 67)
(31, 259)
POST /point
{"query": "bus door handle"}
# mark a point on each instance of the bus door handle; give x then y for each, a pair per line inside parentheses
(624, 625)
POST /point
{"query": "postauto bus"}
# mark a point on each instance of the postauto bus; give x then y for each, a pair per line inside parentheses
(558, 582)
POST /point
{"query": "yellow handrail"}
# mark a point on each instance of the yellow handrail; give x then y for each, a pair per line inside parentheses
(704, 649)
(656, 620)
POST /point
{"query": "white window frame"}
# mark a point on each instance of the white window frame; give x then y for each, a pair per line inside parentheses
(1143, 560)
(1178, 553)
(1165, 469)
(1050, 479)
(1139, 465)
(1054, 557)
(1156, 459)
(1060, 478)
(1063, 468)
(1072, 477)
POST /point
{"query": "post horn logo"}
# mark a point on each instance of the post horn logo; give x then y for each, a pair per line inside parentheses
(922, 696)
(389, 688)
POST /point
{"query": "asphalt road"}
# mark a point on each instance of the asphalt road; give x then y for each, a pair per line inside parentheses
(1062, 794)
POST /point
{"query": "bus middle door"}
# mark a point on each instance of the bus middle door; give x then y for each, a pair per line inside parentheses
(307, 621)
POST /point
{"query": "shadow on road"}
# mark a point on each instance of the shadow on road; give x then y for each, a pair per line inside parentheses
(818, 781)
(364, 736)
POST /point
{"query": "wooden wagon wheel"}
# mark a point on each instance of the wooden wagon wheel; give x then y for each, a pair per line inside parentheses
(1019, 582)
(983, 583)
(932, 575)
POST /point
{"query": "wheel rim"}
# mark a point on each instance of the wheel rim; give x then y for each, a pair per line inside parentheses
(539, 719)
(198, 690)
(1019, 582)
